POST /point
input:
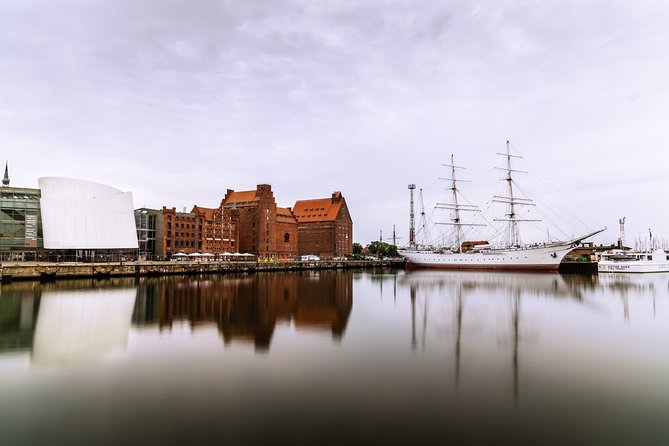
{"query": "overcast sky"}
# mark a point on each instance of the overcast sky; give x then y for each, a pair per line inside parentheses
(177, 101)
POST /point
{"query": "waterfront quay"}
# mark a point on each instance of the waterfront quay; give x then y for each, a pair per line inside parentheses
(10, 271)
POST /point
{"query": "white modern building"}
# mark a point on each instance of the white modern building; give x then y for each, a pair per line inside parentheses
(83, 215)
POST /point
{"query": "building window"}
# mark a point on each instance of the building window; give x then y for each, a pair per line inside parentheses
(286, 237)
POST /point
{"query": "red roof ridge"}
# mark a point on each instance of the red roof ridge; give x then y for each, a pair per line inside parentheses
(318, 209)
(237, 196)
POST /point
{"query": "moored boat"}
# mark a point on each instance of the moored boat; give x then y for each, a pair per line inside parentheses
(480, 254)
(621, 261)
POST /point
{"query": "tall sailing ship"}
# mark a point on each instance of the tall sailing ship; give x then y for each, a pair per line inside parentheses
(480, 254)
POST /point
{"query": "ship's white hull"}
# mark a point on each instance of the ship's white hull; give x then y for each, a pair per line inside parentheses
(541, 257)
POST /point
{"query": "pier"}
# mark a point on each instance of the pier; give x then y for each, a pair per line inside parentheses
(54, 271)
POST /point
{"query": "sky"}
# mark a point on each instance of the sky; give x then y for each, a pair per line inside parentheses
(177, 101)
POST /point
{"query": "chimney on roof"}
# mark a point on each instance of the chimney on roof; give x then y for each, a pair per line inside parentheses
(336, 197)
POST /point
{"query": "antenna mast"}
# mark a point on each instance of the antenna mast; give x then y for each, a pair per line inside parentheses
(621, 239)
(511, 200)
(412, 220)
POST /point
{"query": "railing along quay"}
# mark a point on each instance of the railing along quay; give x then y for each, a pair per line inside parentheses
(55, 271)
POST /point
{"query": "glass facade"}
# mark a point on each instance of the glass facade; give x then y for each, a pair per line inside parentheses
(145, 220)
(20, 223)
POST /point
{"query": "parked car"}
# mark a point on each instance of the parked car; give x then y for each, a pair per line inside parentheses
(309, 258)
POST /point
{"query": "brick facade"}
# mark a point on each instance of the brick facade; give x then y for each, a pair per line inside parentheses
(221, 230)
(325, 227)
(182, 232)
(251, 222)
(264, 229)
(286, 234)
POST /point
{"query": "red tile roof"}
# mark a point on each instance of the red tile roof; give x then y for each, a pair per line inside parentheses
(246, 195)
(284, 212)
(321, 209)
(208, 212)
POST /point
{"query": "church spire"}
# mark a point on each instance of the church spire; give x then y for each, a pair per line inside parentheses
(5, 180)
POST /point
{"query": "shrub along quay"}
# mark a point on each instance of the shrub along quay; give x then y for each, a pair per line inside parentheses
(54, 271)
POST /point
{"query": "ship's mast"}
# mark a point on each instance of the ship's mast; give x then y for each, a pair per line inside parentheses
(412, 219)
(511, 200)
(456, 207)
(424, 230)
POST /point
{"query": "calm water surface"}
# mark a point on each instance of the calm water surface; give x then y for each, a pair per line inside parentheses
(337, 358)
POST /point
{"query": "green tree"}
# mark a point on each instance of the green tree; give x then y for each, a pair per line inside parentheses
(382, 249)
(357, 248)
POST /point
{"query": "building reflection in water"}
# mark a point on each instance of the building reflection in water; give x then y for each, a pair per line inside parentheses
(67, 321)
(82, 324)
(18, 313)
(247, 308)
(70, 321)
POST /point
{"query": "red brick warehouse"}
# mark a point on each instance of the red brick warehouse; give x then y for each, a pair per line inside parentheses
(324, 227)
(266, 230)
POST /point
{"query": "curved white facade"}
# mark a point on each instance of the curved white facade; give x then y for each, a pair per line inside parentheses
(78, 214)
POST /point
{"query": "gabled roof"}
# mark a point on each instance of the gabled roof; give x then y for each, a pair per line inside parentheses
(284, 212)
(245, 195)
(321, 209)
(208, 212)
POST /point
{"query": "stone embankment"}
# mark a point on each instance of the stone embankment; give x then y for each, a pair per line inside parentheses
(52, 271)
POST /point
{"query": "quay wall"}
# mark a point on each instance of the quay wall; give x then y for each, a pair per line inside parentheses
(54, 271)
(578, 268)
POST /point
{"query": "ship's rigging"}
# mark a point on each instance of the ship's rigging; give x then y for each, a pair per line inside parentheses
(467, 223)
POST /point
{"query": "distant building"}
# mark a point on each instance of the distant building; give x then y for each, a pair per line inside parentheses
(20, 222)
(182, 232)
(264, 230)
(83, 220)
(324, 227)
(146, 223)
(220, 230)
(83, 215)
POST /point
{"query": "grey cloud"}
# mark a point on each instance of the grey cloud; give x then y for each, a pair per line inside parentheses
(362, 96)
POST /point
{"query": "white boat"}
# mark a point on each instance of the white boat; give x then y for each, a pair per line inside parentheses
(480, 255)
(620, 261)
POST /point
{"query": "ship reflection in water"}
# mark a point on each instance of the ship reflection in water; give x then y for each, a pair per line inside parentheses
(335, 357)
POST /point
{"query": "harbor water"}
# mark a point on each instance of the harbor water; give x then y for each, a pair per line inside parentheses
(337, 357)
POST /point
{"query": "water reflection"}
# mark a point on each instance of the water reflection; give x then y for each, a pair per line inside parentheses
(68, 321)
(467, 357)
(18, 313)
(75, 320)
(458, 284)
(538, 283)
(553, 301)
(82, 324)
(248, 308)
